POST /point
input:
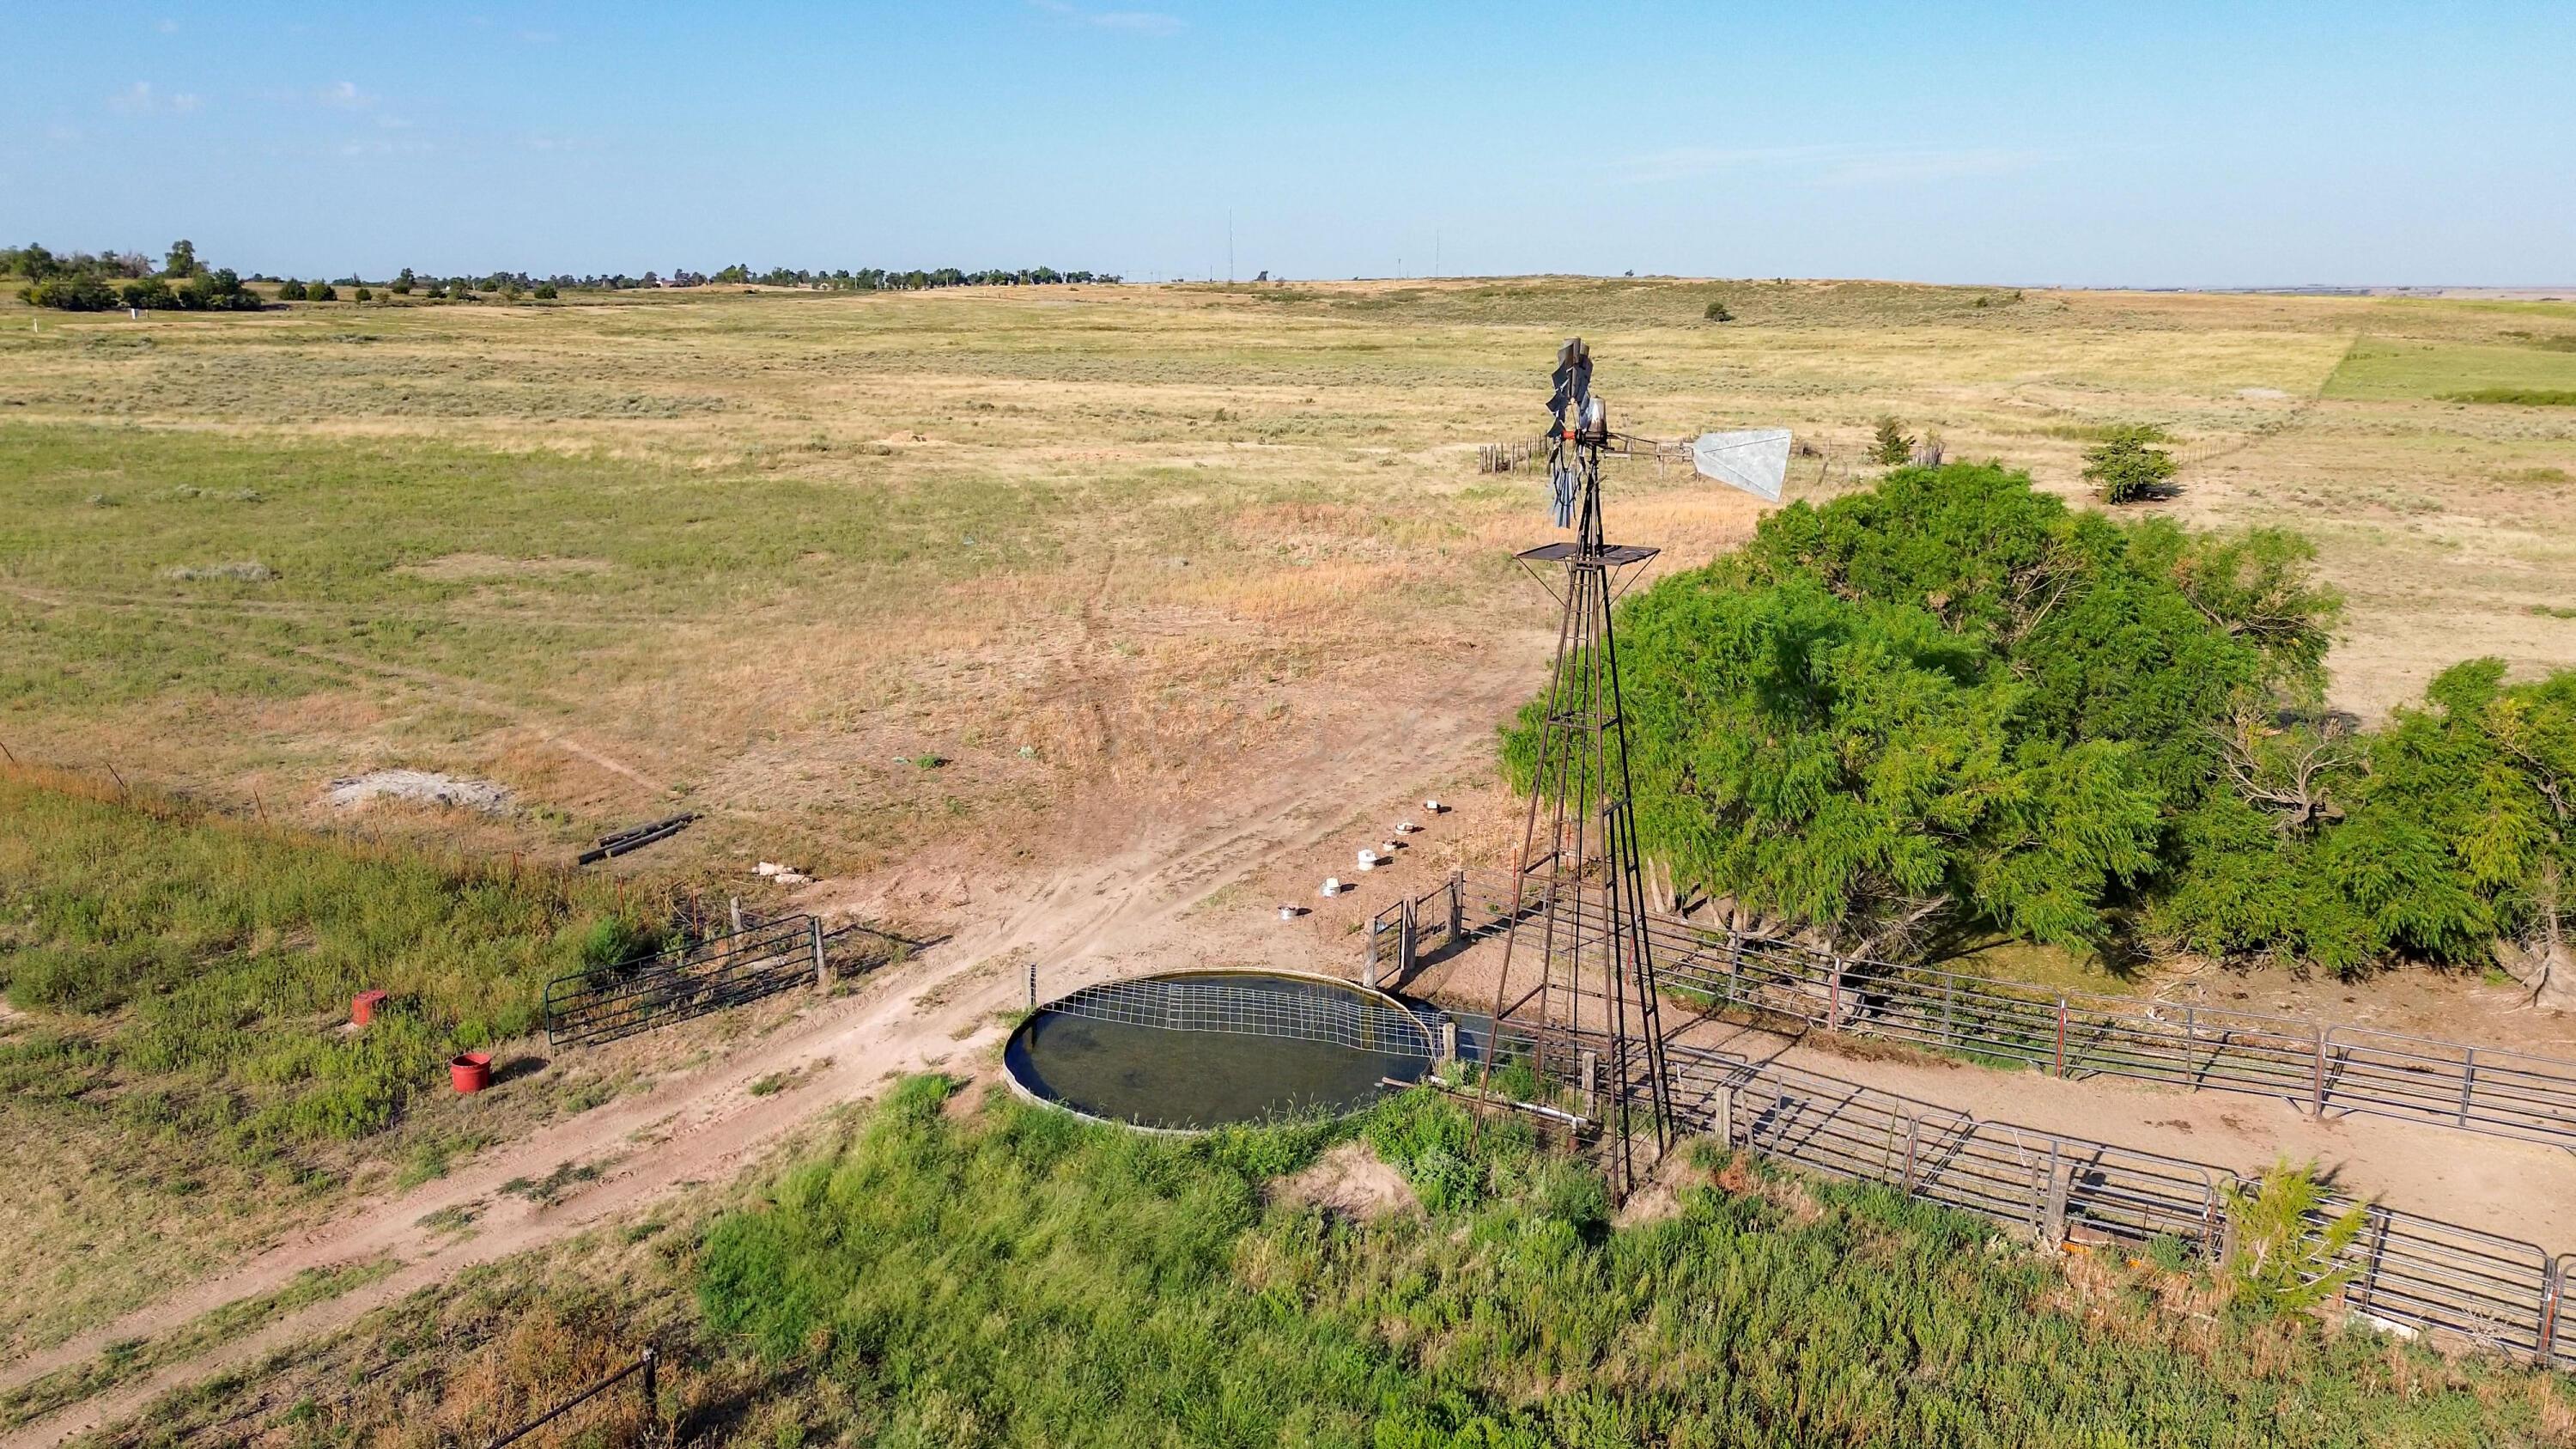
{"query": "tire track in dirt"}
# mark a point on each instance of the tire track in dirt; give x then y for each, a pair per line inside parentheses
(709, 1125)
(444, 687)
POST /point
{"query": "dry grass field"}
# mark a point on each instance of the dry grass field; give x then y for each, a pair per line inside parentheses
(934, 593)
(853, 573)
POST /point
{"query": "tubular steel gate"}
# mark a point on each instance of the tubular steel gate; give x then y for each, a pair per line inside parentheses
(606, 1003)
(2067, 1034)
(2407, 1273)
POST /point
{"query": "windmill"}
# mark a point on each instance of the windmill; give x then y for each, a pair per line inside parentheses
(1595, 997)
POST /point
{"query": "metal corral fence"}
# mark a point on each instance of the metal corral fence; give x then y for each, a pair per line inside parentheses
(606, 1003)
(1253, 1007)
(2409, 1273)
(2067, 1034)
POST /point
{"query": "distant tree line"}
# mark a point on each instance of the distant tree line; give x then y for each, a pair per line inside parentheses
(844, 279)
(103, 281)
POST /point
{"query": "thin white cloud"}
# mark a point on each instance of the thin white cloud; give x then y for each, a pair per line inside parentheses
(344, 95)
(140, 99)
(168, 27)
(1829, 164)
(380, 147)
(1138, 22)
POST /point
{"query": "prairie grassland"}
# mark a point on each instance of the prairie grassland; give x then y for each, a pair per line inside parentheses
(176, 1079)
(764, 553)
(1011, 571)
(1014, 1276)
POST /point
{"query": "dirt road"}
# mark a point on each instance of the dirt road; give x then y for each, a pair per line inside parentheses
(946, 1006)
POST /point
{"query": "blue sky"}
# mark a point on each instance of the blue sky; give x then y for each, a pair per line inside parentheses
(2091, 144)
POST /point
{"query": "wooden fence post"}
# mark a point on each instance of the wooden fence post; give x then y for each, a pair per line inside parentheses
(2468, 1083)
(652, 1398)
(734, 904)
(2317, 1098)
(1590, 1072)
(1449, 1039)
(2061, 1035)
(822, 971)
(1457, 904)
(1726, 1114)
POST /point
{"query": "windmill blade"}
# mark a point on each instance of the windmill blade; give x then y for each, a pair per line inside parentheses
(1573, 378)
(1754, 459)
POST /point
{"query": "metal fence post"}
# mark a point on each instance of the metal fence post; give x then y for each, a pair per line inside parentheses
(2054, 1231)
(2553, 1297)
(2317, 1100)
(1033, 983)
(1834, 996)
(1457, 904)
(1913, 1127)
(651, 1398)
(2061, 1034)
(2468, 1082)
(822, 972)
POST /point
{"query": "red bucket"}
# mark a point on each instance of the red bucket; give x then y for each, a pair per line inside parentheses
(362, 1007)
(471, 1071)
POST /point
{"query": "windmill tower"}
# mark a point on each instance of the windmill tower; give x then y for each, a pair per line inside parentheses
(1582, 986)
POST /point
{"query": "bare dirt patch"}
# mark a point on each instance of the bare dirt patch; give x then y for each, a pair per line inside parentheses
(1349, 1182)
(419, 787)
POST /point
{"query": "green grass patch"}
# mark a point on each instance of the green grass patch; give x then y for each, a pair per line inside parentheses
(185, 976)
(1021, 1277)
(2381, 368)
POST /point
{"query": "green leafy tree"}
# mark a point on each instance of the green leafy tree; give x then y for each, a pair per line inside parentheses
(402, 283)
(1717, 311)
(2127, 466)
(2284, 1251)
(362, 294)
(182, 262)
(290, 290)
(1948, 701)
(545, 292)
(72, 292)
(149, 294)
(1891, 446)
(219, 290)
(321, 292)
